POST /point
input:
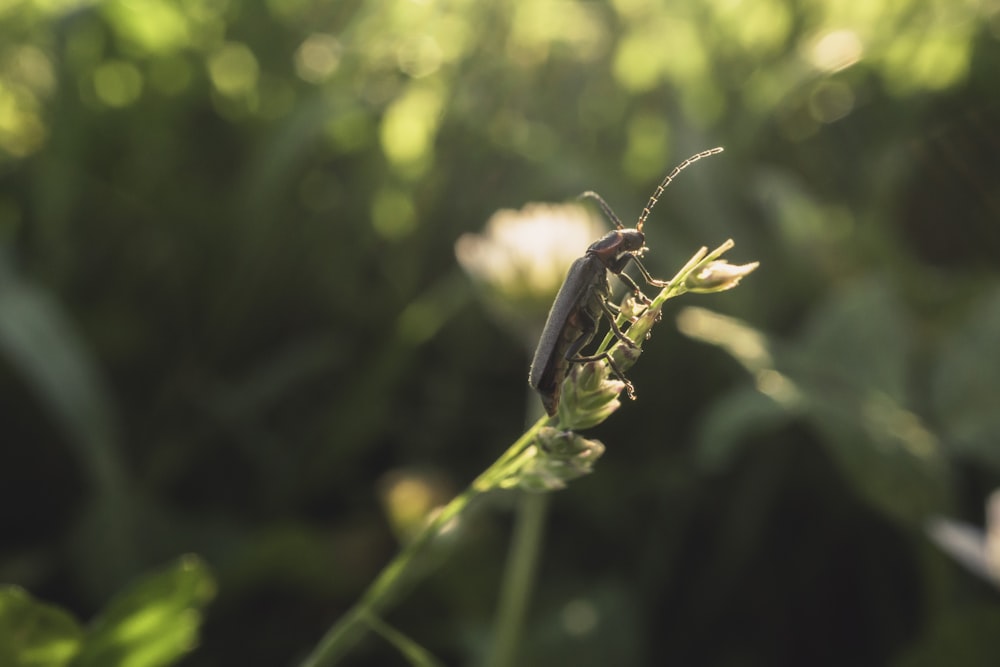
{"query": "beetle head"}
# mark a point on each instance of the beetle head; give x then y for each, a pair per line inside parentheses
(632, 240)
(616, 243)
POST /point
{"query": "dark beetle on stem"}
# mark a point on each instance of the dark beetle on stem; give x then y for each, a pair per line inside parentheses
(584, 298)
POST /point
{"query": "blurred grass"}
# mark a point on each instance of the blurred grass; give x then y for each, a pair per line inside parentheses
(229, 306)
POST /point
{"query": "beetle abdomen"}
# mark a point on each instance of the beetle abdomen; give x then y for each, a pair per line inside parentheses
(571, 323)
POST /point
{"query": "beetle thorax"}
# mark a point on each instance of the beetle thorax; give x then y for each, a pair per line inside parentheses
(617, 243)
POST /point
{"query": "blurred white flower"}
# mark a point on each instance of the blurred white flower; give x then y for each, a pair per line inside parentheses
(520, 260)
(977, 550)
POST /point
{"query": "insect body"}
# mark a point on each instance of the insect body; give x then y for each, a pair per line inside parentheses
(584, 298)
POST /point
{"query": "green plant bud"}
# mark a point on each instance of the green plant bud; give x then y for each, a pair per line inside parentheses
(560, 457)
(717, 276)
(589, 396)
(631, 308)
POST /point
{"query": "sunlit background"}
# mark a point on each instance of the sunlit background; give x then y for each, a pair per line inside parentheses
(233, 323)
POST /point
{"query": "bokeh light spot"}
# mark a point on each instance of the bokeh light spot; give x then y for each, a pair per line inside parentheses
(830, 101)
(31, 66)
(411, 498)
(579, 617)
(21, 130)
(576, 29)
(149, 26)
(317, 58)
(410, 125)
(234, 69)
(117, 83)
(835, 50)
(393, 214)
(419, 56)
(916, 62)
(633, 67)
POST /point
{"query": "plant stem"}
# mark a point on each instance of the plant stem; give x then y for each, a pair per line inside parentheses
(391, 582)
(519, 577)
(416, 654)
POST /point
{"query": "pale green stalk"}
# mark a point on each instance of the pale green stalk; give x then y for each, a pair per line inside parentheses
(390, 583)
(519, 578)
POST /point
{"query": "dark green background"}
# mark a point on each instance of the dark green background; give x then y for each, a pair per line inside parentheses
(230, 306)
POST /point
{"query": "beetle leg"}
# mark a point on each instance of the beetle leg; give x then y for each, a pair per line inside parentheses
(646, 275)
(606, 355)
(617, 310)
(587, 331)
(631, 284)
(617, 372)
(617, 267)
(614, 326)
(587, 328)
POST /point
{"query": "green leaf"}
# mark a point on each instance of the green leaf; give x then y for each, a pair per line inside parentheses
(858, 341)
(885, 451)
(851, 368)
(154, 622)
(846, 375)
(39, 340)
(729, 419)
(33, 633)
(965, 384)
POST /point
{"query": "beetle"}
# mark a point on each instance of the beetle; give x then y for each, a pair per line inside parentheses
(584, 299)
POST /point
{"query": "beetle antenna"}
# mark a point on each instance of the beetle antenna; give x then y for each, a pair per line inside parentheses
(663, 186)
(604, 207)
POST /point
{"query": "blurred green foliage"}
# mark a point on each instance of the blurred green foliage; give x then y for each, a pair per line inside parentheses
(151, 623)
(230, 310)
